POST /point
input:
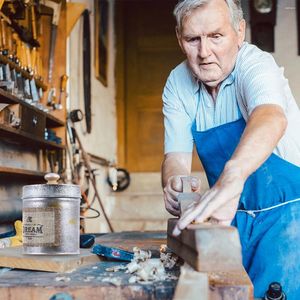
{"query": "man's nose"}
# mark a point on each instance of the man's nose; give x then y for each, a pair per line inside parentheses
(204, 49)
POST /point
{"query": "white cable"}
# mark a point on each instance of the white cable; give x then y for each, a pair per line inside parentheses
(253, 212)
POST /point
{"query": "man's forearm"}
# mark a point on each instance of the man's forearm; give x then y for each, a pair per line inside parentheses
(175, 164)
(264, 129)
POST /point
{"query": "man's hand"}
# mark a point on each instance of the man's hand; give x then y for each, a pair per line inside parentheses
(219, 204)
(174, 164)
(172, 190)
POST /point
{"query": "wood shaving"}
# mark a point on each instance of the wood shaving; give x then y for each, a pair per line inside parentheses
(133, 279)
(116, 268)
(169, 259)
(145, 269)
(113, 280)
(141, 255)
(132, 267)
(163, 248)
(88, 278)
(62, 278)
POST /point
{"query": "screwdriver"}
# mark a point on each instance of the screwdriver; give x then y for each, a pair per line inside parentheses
(63, 84)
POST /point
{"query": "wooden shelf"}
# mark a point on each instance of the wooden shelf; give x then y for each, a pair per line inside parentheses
(21, 137)
(8, 171)
(4, 59)
(51, 121)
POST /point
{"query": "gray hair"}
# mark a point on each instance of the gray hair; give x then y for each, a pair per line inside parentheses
(185, 7)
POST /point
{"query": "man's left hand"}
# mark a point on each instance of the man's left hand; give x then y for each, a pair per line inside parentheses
(218, 204)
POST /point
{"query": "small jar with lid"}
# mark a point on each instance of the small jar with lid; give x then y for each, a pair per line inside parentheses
(51, 218)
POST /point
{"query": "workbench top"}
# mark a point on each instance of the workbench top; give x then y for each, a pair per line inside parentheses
(86, 282)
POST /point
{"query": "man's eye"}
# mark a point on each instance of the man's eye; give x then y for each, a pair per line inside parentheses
(216, 36)
(193, 40)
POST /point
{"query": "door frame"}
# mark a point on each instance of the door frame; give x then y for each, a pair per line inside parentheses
(120, 82)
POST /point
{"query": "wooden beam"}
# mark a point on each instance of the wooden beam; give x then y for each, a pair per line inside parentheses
(207, 247)
(212, 255)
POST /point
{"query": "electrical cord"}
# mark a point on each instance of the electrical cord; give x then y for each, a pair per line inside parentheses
(90, 175)
(91, 217)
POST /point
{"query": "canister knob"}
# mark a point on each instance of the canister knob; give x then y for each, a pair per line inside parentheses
(52, 178)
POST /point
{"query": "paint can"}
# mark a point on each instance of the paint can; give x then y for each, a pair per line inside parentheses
(51, 218)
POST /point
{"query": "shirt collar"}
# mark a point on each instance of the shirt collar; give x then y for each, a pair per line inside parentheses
(196, 85)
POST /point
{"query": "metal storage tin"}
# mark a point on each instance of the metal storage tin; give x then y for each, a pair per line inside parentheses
(51, 218)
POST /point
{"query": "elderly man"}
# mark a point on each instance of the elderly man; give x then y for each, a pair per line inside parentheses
(231, 99)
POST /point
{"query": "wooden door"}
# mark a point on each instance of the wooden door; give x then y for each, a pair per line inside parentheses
(150, 52)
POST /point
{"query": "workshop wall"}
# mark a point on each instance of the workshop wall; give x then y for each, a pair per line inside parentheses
(286, 44)
(102, 140)
(286, 47)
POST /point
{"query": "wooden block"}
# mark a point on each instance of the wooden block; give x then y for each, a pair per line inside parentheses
(14, 258)
(191, 285)
(213, 285)
(207, 247)
(230, 285)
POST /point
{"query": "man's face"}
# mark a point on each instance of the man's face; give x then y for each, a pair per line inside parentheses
(210, 42)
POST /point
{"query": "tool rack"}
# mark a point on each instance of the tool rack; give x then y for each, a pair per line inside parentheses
(24, 151)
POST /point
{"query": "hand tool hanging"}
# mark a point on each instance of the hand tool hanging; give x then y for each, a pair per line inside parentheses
(56, 6)
(87, 70)
(63, 86)
(6, 81)
(24, 33)
(31, 56)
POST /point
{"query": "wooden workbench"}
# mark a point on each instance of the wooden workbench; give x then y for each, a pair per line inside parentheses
(86, 282)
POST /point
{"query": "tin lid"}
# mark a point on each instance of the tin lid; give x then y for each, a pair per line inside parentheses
(52, 189)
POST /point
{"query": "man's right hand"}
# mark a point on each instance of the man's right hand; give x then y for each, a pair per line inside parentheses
(172, 190)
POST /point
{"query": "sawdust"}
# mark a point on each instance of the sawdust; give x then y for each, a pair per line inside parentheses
(116, 281)
(62, 278)
(145, 269)
(88, 278)
(169, 260)
(116, 268)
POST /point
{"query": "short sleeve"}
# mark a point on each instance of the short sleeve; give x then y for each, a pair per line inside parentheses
(177, 122)
(261, 81)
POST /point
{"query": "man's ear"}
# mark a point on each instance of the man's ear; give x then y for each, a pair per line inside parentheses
(241, 32)
(178, 35)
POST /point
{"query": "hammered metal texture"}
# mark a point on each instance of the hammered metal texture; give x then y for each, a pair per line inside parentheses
(65, 200)
(51, 191)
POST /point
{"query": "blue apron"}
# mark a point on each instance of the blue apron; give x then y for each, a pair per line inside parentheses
(268, 216)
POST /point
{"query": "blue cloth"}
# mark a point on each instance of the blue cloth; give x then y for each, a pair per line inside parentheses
(270, 240)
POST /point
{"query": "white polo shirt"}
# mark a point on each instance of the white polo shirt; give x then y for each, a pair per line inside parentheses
(255, 80)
